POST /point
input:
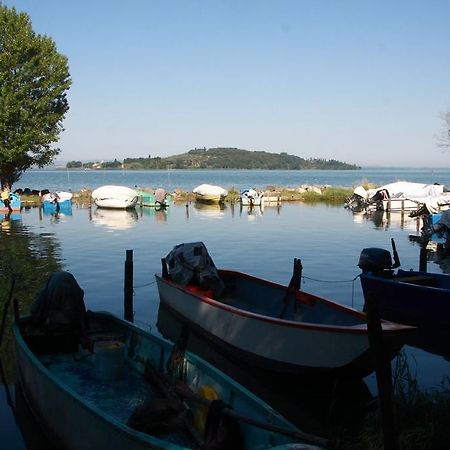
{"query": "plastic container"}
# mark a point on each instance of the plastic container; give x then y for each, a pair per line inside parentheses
(109, 360)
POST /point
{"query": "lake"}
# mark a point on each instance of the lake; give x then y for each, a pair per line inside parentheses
(91, 243)
(75, 180)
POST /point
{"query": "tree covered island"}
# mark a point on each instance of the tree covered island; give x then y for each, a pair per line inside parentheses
(220, 158)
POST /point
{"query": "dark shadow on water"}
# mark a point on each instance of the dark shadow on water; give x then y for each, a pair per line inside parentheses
(316, 405)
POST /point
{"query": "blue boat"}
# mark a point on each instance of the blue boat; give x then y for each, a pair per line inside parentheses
(407, 296)
(16, 203)
(57, 202)
(119, 396)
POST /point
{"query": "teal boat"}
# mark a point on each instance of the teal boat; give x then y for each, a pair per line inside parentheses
(132, 390)
(154, 199)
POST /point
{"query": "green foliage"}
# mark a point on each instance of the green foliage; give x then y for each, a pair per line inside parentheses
(74, 165)
(234, 158)
(34, 79)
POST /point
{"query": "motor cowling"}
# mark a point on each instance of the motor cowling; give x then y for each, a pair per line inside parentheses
(375, 260)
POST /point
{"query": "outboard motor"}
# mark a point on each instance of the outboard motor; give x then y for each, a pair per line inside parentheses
(376, 260)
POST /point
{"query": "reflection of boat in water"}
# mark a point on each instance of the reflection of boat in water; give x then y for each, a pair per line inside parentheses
(317, 404)
(159, 213)
(210, 210)
(115, 219)
(387, 220)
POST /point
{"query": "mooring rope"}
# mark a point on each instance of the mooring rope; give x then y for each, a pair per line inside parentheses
(337, 281)
(144, 285)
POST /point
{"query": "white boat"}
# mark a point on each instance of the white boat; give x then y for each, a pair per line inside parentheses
(265, 324)
(115, 197)
(401, 196)
(208, 193)
(251, 197)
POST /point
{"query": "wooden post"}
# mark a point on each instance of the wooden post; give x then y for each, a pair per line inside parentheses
(383, 373)
(423, 258)
(128, 288)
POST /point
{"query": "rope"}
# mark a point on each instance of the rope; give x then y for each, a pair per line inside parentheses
(331, 281)
(144, 285)
(338, 281)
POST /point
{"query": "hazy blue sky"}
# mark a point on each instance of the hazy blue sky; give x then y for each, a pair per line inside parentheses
(360, 81)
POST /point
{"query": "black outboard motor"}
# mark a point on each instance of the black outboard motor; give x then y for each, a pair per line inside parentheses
(376, 260)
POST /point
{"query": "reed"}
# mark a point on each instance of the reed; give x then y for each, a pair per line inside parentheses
(422, 416)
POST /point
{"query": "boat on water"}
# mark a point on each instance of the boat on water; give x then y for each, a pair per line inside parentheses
(59, 201)
(98, 382)
(251, 197)
(115, 197)
(210, 194)
(407, 296)
(15, 203)
(400, 196)
(157, 199)
(276, 327)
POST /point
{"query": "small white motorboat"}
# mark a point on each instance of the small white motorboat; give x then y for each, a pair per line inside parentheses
(251, 197)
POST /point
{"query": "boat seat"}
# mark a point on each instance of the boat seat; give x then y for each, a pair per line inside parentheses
(421, 280)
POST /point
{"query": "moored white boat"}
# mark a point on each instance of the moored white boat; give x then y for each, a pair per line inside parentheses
(267, 324)
(115, 197)
(208, 193)
(251, 197)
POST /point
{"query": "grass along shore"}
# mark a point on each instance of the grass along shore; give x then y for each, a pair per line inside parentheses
(305, 194)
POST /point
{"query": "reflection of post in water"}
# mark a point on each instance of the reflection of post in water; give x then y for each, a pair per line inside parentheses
(316, 404)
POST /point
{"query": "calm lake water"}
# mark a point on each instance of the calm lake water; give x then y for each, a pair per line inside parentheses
(92, 244)
(75, 180)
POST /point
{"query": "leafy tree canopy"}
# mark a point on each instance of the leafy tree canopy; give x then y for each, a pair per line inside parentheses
(34, 79)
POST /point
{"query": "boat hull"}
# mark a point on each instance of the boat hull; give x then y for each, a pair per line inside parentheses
(407, 298)
(82, 412)
(115, 197)
(270, 342)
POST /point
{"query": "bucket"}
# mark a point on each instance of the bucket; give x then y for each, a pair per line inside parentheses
(109, 360)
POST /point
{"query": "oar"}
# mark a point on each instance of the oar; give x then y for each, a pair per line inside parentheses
(184, 391)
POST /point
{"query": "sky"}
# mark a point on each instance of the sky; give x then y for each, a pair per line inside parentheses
(360, 81)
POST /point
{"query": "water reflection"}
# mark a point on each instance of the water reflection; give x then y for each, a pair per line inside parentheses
(387, 220)
(158, 213)
(315, 404)
(215, 211)
(115, 219)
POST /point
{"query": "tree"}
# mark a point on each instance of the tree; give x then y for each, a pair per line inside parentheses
(34, 79)
(444, 139)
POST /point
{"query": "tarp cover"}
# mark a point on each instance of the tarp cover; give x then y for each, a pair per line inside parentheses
(190, 263)
(59, 306)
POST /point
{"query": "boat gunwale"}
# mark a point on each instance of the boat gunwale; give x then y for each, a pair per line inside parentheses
(138, 436)
(388, 327)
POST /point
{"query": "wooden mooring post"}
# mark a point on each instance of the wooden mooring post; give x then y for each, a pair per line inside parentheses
(128, 288)
(383, 374)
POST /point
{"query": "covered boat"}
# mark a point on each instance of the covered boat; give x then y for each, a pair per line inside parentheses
(251, 197)
(267, 324)
(98, 382)
(408, 296)
(208, 193)
(115, 197)
(401, 195)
